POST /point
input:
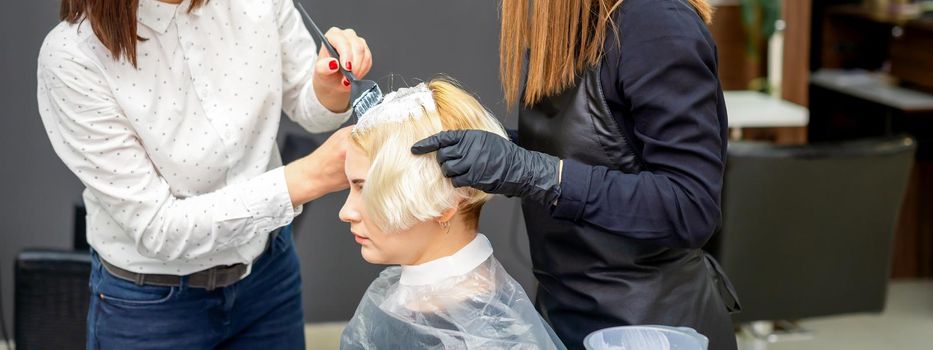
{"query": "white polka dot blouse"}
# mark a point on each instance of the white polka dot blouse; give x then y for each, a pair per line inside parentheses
(178, 155)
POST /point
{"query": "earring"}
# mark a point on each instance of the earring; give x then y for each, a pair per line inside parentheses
(445, 225)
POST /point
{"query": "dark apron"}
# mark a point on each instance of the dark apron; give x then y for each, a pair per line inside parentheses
(591, 279)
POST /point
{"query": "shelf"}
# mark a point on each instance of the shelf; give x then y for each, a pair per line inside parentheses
(863, 13)
(875, 87)
(752, 109)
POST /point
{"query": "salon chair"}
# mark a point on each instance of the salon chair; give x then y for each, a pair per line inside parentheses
(807, 230)
(51, 299)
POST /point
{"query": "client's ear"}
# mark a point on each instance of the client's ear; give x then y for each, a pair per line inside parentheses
(448, 214)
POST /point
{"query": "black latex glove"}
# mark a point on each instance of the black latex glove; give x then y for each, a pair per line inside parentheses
(493, 164)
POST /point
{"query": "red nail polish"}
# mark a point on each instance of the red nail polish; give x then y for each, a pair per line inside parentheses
(333, 65)
(346, 82)
(349, 65)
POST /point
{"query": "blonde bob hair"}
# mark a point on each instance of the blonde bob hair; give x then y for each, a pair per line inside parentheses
(403, 189)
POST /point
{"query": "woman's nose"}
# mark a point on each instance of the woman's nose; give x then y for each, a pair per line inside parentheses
(348, 214)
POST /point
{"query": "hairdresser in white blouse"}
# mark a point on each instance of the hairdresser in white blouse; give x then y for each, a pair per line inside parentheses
(167, 111)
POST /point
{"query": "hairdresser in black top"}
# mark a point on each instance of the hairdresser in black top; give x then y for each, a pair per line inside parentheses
(619, 161)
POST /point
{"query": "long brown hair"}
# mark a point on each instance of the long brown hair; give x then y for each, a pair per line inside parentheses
(562, 37)
(113, 21)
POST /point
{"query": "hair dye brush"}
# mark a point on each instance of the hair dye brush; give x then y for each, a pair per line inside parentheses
(364, 94)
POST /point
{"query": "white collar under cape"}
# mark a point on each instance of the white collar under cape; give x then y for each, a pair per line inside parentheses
(463, 261)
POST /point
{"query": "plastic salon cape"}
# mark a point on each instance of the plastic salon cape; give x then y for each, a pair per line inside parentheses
(463, 301)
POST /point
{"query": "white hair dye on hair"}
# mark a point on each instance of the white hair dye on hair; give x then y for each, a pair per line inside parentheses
(398, 106)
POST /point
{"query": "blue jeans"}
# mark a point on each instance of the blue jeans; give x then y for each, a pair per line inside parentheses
(262, 311)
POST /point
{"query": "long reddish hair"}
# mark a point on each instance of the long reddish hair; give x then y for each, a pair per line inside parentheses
(113, 21)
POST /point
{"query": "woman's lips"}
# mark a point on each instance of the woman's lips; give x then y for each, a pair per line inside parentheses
(359, 239)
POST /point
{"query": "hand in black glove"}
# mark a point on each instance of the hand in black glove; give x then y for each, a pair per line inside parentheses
(493, 164)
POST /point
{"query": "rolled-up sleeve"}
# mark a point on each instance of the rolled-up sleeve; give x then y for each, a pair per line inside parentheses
(299, 54)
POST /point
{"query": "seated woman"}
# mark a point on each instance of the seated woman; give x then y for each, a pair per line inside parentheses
(449, 292)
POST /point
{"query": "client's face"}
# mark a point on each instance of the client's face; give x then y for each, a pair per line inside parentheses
(406, 247)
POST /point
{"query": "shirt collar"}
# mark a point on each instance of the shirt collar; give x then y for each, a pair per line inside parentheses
(158, 15)
(463, 261)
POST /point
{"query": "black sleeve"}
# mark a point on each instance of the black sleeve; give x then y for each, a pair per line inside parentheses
(667, 78)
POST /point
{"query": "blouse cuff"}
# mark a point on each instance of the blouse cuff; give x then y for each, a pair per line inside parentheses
(268, 200)
(322, 118)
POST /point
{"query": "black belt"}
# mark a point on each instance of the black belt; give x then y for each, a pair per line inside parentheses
(210, 279)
